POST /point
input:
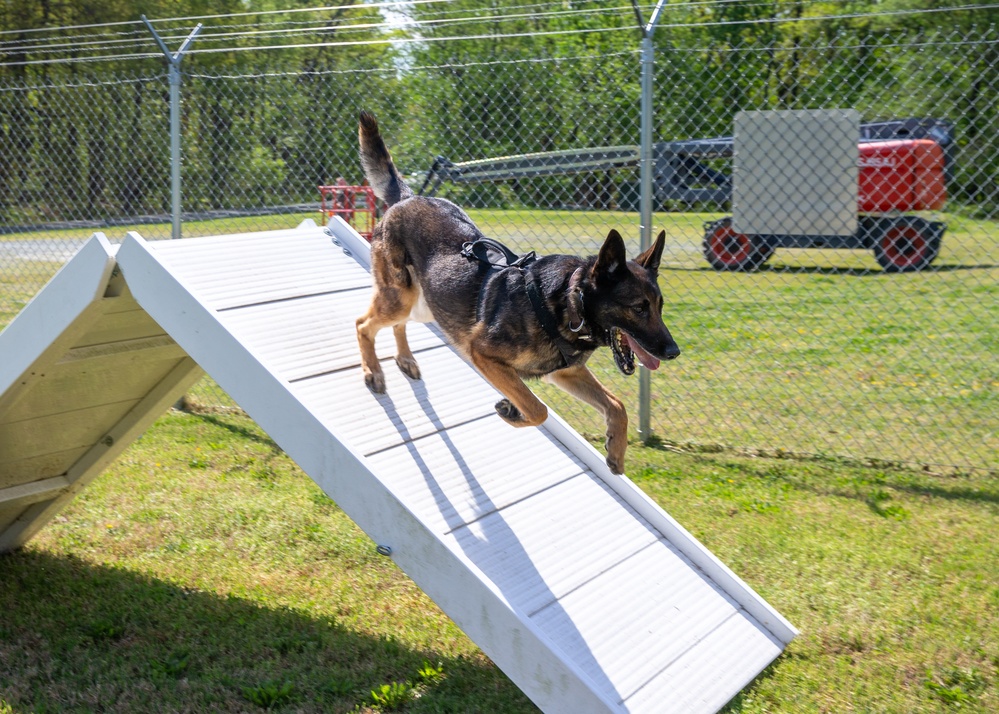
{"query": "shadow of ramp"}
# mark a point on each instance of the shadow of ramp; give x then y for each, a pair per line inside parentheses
(76, 636)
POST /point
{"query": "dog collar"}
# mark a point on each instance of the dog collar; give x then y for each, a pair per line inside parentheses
(570, 351)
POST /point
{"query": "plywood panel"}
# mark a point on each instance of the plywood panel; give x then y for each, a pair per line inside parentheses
(17, 471)
(9, 515)
(59, 432)
(81, 384)
(122, 325)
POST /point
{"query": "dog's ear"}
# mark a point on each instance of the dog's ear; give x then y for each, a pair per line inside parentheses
(611, 259)
(650, 258)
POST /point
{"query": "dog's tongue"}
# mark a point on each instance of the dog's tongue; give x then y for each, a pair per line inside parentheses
(647, 360)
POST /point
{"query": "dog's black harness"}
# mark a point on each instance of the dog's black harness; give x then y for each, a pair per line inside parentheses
(498, 257)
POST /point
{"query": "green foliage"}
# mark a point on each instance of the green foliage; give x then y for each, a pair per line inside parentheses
(430, 674)
(105, 630)
(956, 687)
(393, 696)
(175, 664)
(270, 695)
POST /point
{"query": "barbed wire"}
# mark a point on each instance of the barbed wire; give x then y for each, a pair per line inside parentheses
(391, 41)
(872, 42)
(311, 28)
(417, 24)
(77, 83)
(417, 68)
(433, 17)
(846, 16)
(494, 36)
(226, 15)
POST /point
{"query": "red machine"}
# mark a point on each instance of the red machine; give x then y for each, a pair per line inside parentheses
(894, 176)
(901, 176)
(355, 204)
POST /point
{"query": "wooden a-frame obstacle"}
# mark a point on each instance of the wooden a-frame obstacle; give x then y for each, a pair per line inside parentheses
(580, 588)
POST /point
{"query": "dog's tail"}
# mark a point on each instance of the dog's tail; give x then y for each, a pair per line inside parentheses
(381, 172)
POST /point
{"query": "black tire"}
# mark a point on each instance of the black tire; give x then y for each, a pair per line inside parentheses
(727, 250)
(906, 244)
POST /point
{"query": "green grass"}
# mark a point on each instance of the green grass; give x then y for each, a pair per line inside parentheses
(189, 229)
(204, 572)
(819, 353)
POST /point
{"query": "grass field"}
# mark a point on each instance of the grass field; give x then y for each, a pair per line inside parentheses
(819, 353)
(203, 572)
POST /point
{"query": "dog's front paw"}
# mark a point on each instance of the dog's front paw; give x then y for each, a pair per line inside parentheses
(408, 366)
(508, 412)
(615, 455)
(375, 382)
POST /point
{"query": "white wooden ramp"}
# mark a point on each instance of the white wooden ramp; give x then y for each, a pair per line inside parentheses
(581, 589)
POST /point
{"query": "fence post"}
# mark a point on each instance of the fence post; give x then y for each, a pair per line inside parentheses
(646, 163)
(173, 62)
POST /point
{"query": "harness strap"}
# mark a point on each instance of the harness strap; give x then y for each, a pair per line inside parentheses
(547, 319)
(493, 253)
(498, 258)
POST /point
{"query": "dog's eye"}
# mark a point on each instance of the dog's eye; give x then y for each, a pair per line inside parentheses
(643, 308)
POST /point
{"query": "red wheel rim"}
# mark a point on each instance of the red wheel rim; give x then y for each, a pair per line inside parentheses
(729, 247)
(903, 246)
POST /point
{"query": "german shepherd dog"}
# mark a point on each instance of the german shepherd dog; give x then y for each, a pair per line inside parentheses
(543, 319)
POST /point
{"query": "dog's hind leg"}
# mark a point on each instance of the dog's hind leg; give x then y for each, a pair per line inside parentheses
(580, 383)
(382, 313)
(368, 326)
(394, 296)
(521, 407)
(404, 356)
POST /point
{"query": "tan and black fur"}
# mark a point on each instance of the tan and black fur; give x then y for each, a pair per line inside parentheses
(419, 273)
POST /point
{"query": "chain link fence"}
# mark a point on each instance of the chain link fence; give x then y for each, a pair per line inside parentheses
(789, 345)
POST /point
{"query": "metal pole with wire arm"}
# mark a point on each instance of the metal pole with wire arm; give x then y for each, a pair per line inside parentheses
(173, 62)
(645, 176)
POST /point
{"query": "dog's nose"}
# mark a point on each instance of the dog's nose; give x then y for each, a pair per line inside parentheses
(672, 352)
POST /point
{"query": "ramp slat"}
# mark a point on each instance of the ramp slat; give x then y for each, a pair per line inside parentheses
(261, 267)
(661, 608)
(469, 473)
(449, 394)
(726, 658)
(538, 550)
(315, 334)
